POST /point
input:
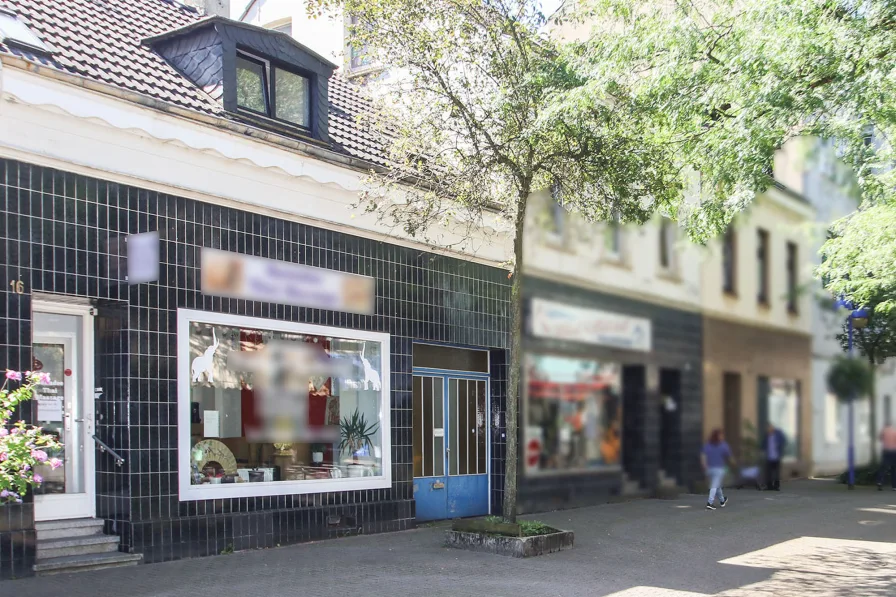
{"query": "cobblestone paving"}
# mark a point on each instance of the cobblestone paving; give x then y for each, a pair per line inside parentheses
(814, 538)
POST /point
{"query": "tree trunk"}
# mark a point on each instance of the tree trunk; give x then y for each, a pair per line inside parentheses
(516, 365)
(872, 415)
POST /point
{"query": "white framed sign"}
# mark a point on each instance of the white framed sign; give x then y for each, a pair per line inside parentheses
(558, 321)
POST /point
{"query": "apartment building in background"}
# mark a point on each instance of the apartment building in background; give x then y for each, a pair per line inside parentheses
(612, 388)
(757, 326)
(831, 188)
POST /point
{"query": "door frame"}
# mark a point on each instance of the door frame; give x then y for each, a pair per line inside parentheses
(447, 374)
(86, 357)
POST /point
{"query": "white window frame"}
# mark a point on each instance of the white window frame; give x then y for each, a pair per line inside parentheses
(189, 492)
(617, 255)
(670, 241)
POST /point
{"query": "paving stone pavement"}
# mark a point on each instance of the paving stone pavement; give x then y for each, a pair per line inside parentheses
(814, 538)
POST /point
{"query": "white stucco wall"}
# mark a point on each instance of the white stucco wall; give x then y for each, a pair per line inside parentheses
(578, 256)
(786, 219)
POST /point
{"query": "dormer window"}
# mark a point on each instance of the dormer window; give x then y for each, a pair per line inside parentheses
(271, 91)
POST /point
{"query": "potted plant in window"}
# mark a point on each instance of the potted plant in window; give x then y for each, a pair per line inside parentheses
(356, 434)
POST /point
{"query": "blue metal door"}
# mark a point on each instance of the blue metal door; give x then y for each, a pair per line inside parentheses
(451, 447)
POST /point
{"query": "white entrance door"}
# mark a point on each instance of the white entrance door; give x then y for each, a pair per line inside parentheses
(62, 338)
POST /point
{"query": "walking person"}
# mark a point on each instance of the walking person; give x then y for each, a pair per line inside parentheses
(715, 456)
(888, 457)
(775, 442)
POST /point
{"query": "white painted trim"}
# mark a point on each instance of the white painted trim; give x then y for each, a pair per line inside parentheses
(189, 492)
(84, 505)
(71, 128)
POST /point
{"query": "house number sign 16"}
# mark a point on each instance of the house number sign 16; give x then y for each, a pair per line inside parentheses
(17, 286)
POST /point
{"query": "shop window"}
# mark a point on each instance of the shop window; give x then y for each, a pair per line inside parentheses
(573, 414)
(272, 408)
(434, 356)
(729, 260)
(762, 273)
(781, 408)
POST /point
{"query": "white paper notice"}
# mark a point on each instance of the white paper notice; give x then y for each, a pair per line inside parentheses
(49, 408)
(212, 423)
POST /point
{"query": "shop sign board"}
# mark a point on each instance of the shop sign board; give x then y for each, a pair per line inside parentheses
(558, 321)
(234, 275)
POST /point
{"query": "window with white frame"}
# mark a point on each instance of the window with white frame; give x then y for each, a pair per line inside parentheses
(668, 238)
(613, 238)
(359, 55)
(268, 90)
(271, 408)
(832, 418)
(557, 216)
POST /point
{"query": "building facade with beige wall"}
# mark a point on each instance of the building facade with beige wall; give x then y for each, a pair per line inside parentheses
(611, 399)
(757, 329)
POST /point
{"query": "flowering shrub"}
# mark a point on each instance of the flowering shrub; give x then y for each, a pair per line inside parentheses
(22, 447)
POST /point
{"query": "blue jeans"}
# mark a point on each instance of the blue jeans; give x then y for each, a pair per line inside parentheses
(716, 477)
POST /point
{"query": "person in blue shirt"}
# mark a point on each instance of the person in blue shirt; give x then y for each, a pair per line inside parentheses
(775, 442)
(715, 456)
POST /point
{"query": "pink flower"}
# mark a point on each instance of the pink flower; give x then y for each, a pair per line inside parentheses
(26, 467)
(43, 378)
(13, 375)
(4, 431)
(55, 463)
(37, 478)
(3, 456)
(39, 455)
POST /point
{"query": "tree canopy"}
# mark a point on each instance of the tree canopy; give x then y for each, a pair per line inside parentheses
(734, 80)
(484, 105)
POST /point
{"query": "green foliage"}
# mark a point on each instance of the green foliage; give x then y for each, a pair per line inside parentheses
(23, 448)
(733, 81)
(850, 379)
(356, 433)
(866, 475)
(749, 444)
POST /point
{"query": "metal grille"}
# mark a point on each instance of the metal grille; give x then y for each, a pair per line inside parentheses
(467, 427)
(429, 427)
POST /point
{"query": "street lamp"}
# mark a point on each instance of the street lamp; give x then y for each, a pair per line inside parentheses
(857, 319)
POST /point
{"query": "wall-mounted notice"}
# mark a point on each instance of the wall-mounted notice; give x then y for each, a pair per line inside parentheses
(212, 423)
(254, 278)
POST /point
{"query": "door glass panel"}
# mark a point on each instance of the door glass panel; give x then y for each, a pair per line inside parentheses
(481, 434)
(463, 429)
(59, 408)
(452, 428)
(429, 415)
(446, 357)
(418, 426)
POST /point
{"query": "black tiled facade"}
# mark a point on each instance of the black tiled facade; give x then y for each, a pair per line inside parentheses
(59, 232)
(677, 346)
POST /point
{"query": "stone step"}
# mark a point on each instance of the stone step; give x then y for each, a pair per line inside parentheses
(86, 562)
(75, 546)
(75, 527)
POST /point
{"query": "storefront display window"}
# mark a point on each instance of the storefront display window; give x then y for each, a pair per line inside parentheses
(573, 414)
(271, 408)
(783, 412)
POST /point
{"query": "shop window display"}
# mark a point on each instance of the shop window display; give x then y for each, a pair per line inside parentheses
(573, 414)
(274, 405)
